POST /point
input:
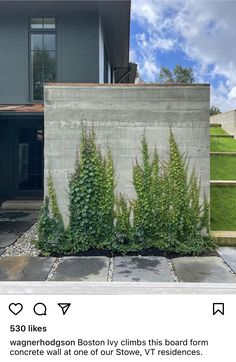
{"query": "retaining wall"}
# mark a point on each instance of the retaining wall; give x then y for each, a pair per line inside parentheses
(227, 121)
(120, 114)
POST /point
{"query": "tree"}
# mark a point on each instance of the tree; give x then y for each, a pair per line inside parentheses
(178, 75)
(214, 110)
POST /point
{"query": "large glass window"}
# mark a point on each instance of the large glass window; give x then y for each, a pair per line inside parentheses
(106, 61)
(42, 54)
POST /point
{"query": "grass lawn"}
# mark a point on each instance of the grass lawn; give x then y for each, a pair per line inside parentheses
(217, 131)
(223, 208)
(223, 144)
(223, 168)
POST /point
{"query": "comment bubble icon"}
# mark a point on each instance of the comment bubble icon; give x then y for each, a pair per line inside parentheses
(40, 309)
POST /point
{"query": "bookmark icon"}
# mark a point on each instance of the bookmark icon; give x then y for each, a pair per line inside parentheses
(218, 308)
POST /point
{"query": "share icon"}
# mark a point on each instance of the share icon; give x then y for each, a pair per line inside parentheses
(64, 307)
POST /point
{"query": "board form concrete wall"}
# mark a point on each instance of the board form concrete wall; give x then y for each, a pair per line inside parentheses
(120, 114)
(227, 120)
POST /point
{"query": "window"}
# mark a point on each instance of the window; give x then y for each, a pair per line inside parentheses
(30, 158)
(112, 74)
(42, 55)
(106, 61)
(43, 23)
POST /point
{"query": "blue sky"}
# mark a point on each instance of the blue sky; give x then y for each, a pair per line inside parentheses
(193, 33)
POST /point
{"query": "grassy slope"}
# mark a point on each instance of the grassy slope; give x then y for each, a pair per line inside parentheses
(223, 208)
(223, 168)
(223, 199)
(217, 131)
(223, 144)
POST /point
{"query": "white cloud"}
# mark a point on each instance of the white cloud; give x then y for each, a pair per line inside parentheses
(232, 93)
(222, 98)
(163, 44)
(150, 69)
(132, 55)
(204, 30)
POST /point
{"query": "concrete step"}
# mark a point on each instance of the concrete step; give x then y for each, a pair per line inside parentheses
(215, 125)
(222, 135)
(223, 183)
(233, 154)
(226, 238)
(118, 288)
(22, 204)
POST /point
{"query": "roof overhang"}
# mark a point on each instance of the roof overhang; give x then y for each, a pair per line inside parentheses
(25, 110)
(115, 18)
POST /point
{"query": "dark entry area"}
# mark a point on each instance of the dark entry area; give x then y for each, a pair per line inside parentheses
(30, 159)
(21, 154)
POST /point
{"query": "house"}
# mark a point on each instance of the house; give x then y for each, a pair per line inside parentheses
(51, 42)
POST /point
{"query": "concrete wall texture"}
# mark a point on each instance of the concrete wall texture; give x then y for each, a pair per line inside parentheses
(227, 121)
(120, 114)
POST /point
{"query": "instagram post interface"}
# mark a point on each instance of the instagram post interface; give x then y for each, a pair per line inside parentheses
(117, 180)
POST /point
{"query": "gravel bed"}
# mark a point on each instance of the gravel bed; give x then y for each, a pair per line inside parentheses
(227, 266)
(110, 270)
(52, 271)
(24, 246)
(172, 270)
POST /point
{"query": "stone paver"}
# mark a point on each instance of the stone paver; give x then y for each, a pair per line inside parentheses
(82, 269)
(21, 268)
(18, 215)
(7, 239)
(228, 254)
(142, 269)
(202, 270)
(11, 230)
(22, 204)
(125, 269)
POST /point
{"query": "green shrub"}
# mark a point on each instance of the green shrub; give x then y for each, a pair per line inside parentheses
(187, 219)
(91, 197)
(124, 238)
(147, 186)
(168, 214)
(51, 233)
(53, 199)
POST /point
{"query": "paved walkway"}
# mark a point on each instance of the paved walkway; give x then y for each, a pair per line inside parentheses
(213, 269)
(12, 224)
(122, 269)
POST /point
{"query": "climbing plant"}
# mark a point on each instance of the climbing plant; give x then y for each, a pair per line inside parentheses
(124, 234)
(147, 186)
(91, 196)
(51, 233)
(168, 212)
(186, 215)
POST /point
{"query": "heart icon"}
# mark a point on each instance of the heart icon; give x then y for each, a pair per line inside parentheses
(15, 308)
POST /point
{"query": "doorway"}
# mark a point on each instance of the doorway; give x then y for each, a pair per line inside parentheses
(30, 160)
